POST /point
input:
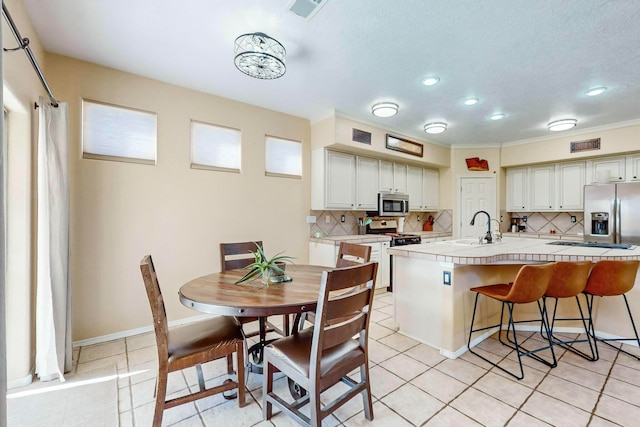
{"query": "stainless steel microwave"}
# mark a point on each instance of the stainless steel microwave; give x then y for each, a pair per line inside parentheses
(393, 204)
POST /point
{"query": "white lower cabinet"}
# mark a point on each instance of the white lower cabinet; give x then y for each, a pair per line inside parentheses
(327, 254)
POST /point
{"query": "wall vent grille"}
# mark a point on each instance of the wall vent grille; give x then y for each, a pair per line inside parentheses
(361, 136)
(586, 145)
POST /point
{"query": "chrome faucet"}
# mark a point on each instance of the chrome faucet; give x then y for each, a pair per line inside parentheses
(488, 237)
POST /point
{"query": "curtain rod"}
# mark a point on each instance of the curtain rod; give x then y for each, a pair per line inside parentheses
(24, 44)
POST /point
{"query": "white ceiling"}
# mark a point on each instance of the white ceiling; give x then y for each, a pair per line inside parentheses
(532, 60)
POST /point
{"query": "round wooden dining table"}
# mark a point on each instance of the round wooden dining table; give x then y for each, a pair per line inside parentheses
(217, 293)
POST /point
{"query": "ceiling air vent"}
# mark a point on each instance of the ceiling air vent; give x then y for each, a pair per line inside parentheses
(361, 136)
(306, 8)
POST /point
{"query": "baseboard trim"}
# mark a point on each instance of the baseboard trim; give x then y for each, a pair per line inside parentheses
(20, 382)
(136, 331)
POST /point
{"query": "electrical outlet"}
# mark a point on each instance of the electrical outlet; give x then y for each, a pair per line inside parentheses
(446, 278)
(524, 218)
(342, 218)
(327, 219)
(573, 218)
(418, 218)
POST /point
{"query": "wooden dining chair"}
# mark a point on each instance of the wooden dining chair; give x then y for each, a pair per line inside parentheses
(349, 254)
(352, 254)
(319, 357)
(189, 346)
(239, 255)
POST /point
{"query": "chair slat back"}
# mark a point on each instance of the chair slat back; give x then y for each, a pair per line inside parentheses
(352, 309)
(352, 254)
(156, 303)
(530, 283)
(237, 255)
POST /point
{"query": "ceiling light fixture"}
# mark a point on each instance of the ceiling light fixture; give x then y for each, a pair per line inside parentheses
(430, 80)
(384, 109)
(563, 124)
(595, 91)
(436, 127)
(497, 116)
(260, 56)
(471, 101)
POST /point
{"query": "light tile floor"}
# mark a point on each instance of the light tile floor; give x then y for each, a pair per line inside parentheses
(412, 385)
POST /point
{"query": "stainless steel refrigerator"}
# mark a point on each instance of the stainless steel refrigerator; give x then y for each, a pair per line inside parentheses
(612, 213)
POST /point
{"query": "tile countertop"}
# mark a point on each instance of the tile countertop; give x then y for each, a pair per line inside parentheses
(549, 236)
(509, 251)
(372, 238)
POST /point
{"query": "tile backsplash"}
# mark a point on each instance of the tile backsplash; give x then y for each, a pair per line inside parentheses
(545, 222)
(335, 227)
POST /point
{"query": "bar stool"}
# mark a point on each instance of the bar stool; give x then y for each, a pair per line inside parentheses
(611, 278)
(529, 286)
(568, 280)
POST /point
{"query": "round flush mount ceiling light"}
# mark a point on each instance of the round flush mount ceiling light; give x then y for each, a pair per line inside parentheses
(384, 109)
(436, 127)
(497, 116)
(471, 101)
(563, 124)
(595, 91)
(430, 80)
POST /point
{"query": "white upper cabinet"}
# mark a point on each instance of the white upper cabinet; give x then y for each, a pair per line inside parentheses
(541, 185)
(517, 186)
(341, 180)
(614, 165)
(633, 167)
(386, 176)
(367, 183)
(430, 189)
(414, 188)
(400, 178)
(570, 184)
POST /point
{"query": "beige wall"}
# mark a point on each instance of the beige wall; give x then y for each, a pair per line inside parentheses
(336, 132)
(122, 211)
(622, 139)
(21, 90)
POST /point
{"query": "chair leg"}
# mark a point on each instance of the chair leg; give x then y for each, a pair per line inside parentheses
(161, 394)
(635, 332)
(200, 377)
(267, 388)
(315, 408)
(569, 344)
(240, 349)
(590, 324)
(366, 394)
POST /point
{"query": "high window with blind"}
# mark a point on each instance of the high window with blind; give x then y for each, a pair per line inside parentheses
(111, 132)
(283, 157)
(215, 147)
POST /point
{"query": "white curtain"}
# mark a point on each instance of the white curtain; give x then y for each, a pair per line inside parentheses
(53, 291)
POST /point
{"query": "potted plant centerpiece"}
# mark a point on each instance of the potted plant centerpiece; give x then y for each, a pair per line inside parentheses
(270, 270)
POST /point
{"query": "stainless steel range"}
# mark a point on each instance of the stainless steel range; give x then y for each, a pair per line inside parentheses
(389, 227)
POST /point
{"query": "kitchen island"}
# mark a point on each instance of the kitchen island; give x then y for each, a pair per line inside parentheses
(433, 304)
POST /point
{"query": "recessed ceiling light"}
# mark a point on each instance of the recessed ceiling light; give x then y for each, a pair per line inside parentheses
(436, 127)
(595, 91)
(497, 116)
(430, 80)
(385, 109)
(471, 101)
(563, 124)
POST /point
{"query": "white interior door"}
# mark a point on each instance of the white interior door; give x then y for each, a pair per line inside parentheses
(476, 194)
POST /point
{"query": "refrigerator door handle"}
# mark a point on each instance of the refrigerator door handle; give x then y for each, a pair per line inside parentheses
(617, 226)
